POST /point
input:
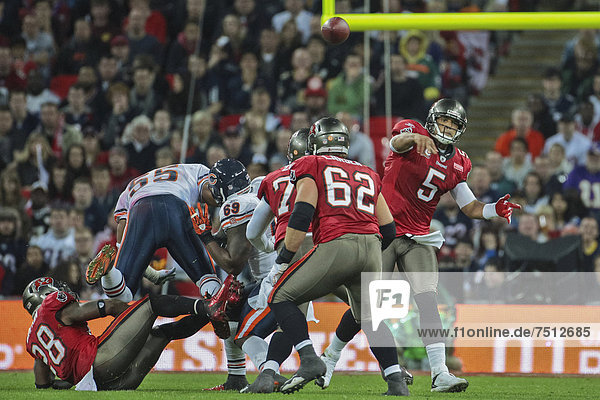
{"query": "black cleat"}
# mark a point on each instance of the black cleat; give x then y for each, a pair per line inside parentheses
(397, 385)
(311, 368)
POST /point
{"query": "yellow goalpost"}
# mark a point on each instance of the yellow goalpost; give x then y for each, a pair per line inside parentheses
(465, 21)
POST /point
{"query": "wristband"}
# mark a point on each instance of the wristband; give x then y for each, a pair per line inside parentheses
(285, 256)
(101, 307)
(489, 211)
(302, 216)
(207, 237)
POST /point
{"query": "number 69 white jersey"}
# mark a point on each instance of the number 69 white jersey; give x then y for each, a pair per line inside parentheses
(185, 181)
(238, 210)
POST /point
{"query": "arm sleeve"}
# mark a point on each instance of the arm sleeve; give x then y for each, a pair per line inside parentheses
(257, 228)
(462, 194)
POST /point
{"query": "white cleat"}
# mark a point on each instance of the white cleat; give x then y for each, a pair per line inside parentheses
(330, 360)
(446, 382)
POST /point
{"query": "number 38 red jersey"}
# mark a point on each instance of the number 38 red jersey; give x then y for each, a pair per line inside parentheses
(69, 351)
(413, 184)
(348, 192)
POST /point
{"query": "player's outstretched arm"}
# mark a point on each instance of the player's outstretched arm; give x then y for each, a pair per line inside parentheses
(404, 141)
(258, 225)
(76, 312)
(475, 209)
(234, 256)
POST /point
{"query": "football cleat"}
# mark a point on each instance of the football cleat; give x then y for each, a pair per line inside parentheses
(236, 293)
(233, 382)
(311, 368)
(408, 377)
(396, 385)
(264, 383)
(446, 382)
(330, 359)
(101, 264)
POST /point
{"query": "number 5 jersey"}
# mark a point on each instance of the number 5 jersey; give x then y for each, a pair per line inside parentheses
(413, 184)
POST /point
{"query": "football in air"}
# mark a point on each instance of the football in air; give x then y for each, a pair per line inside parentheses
(335, 30)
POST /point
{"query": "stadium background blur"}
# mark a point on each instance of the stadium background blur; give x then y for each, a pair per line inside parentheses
(94, 93)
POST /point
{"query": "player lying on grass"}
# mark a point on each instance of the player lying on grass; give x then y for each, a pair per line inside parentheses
(61, 343)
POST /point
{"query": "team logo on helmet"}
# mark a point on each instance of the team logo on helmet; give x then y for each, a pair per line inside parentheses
(45, 281)
(212, 179)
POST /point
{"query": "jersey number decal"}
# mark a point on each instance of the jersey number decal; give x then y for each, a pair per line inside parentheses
(284, 202)
(427, 193)
(54, 348)
(339, 190)
(162, 174)
(234, 208)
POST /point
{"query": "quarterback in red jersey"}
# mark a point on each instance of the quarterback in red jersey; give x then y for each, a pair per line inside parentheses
(423, 165)
(350, 219)
(61, 343)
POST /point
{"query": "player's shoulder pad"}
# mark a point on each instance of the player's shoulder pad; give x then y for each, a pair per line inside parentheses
(408, 126)
(303, 167)
(57, 300)
(237, 210)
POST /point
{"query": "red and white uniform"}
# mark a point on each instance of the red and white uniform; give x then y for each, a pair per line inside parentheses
(280, 194)
(185, 181)
(413, 184)
(69, 351)
(348, 192)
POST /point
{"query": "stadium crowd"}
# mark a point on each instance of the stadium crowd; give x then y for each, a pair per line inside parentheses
(94, 93)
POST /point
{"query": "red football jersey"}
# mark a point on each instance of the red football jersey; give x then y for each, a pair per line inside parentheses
(280, 194)
(348, 192)
(413, 184)
(69, 351)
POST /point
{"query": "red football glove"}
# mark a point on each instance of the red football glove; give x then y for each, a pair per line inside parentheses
(201, 219)
(504, 208)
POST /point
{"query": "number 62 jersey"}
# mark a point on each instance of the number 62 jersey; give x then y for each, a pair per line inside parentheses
(413, 184)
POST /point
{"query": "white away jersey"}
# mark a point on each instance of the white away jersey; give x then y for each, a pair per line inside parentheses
(237, 210)
(185, 181)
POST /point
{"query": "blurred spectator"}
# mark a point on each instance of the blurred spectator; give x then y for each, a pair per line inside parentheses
(489, 287)
(82, 49)
(203, 135)
(361, 147)
(76, 219)
(322, 66)
(407, 92)
(143, 97)
(120, 172)
(155, 25)
(76, 165)
(315, 99)
(498, 181)
(241, 85)
(6, 134)
(84, 200)
(453, 69)
(294, 9)
(108, 235)
(234, 143)
(489, 247)
(289, 40)
(234, 36)
(517, 165)
(588, 229)
(533, 190)
(164, 157)
(291, 84)
(40, 45)
(252, 20)
(70, 272)
(140, 42)
(558, 102)
(182, 47)
(269, 64)
(457, 226)
(256, 169)
(161, 132)
(38, 209)
(37, 93)
(521, 121)
(84, 249)
(215, 153)
(559, 165)
(480, 183)
(58, 187)
(58, 244)
(278, 157)
(542, 118)
(565, 210)
(300, 120)
(578, 69)
(121, 114)
(463, 256)
(594, 95)
(551, 182)
(108, 71)
(76, 112)
(91, 145)
(346, 90)
(10, 79)
(24, 122)
(34, 267)
(120, 50)
(53, 127)
(575, 143)
(584, 178)
(35, 161)
(529, 226)
(104, 25)
(103, 195)
(413, 46)
(12, 248)
(140, 149)
(260, 106)
(585, 121)
(478, 54)
(10, 190)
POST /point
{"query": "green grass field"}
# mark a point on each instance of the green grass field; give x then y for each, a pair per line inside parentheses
(19, 385)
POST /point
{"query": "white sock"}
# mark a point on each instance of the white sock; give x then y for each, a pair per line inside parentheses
(151, 274)
(336, 346)
(303, 344)
(114, 286)
(236, 359)
(256, 348)
(436, 353)
(272, 365)
(209, 284)
(392, 369)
